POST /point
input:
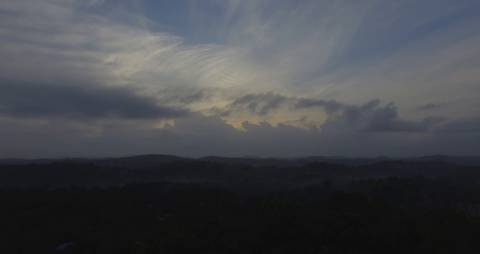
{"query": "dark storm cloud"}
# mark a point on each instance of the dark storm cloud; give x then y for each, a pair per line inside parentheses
(374, 117)
(27, 99)
(371, 116)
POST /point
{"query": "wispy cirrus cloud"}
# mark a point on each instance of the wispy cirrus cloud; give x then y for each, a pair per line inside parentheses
(79, 44)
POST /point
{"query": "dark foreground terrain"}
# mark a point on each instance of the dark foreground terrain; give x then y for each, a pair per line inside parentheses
(164, 204)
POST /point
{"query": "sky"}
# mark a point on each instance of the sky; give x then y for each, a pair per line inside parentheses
(281, 78)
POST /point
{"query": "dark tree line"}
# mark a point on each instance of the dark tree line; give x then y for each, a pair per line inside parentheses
(392, 215)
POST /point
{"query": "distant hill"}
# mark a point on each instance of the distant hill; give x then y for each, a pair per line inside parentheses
(263, 173)
(152, 159)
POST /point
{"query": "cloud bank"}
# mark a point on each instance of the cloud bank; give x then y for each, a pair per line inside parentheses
(85, 102)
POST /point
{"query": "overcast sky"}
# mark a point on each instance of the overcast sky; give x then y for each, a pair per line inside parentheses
(239, 77)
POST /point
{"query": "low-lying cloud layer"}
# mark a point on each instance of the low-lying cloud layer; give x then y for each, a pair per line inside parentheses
(78, 102)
